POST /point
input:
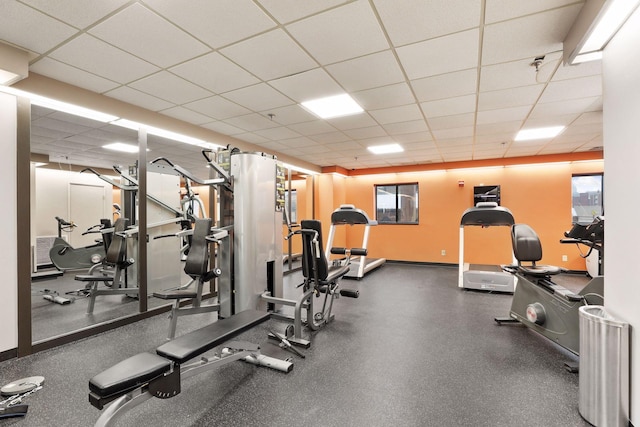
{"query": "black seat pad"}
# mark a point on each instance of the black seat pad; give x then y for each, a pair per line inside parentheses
(129, 374)
(204, 339)
(176, 294)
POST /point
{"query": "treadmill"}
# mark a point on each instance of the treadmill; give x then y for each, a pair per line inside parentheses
(479, 276)
(350, 215)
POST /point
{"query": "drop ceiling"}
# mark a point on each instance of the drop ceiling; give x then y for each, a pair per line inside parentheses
(449, 80)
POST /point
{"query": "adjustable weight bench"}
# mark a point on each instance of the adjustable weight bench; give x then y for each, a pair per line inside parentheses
(146, 375)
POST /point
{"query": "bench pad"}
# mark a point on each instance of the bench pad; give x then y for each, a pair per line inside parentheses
(204, 339)
(129, 374)
(176, 294)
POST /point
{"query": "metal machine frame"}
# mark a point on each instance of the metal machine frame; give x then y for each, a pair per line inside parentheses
(484, 214)
(350, 215)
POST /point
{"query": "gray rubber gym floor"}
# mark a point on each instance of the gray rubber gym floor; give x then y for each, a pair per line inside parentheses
(413, 350)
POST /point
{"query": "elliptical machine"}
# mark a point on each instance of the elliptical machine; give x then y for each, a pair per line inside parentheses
(538, 302)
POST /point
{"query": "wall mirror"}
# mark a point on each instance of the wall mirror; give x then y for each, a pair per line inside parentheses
(68, 209)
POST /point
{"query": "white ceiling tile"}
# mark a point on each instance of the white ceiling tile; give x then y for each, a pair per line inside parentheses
(223, 128)
(589, 118)
(502, 115)
(286, 11)
(495, 138)
(260, 97)
(378, 69)
(30, 29)
(143, 33)
(448, 85)
(450, 106)
(215, 73)
(217, 107)
(186, 115)
(170, 87)
(74, 76)
(441, 55)
(448, 122)
(354, 32)
(292, 114)
(527, 37)
(278, 133)
(368, 132)
(311, 128)
(524, 95)
(252, 138)
(384, 97)
(554, 109)
(252, 122)
(79, 13)
(330, 137)
(593, 128)
(301, 141)
(416, 20)
(515, 74)
(501, 127)
(406, 127)
(501, 10)
(308, 85)
(217, 23)
(403, 113)
(141, 99)
(591, 68)
(582, 87)
(270, 56)
(93, 55)
(560, 120)
(416, 137)
(354, 121)
(459, 132)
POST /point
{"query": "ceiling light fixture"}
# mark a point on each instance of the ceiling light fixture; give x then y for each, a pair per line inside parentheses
(333, 106)
(386, 149)
(14, 64)
(538, 133)
(122, 147)
(595, 26)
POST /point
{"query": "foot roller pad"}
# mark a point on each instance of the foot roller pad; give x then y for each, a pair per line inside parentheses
(128, 374)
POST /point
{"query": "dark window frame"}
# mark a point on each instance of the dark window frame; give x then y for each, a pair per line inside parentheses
(392, 215)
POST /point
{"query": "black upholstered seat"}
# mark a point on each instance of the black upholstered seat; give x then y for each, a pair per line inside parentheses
(528, 249)
(325, 274)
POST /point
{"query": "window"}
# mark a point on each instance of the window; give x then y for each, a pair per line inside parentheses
(586, 197)
(397, 203)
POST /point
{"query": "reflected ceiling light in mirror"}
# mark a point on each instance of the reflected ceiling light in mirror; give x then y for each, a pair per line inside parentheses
(538, 133)
(122, 147)
(151, 130)
(300, 169)
(385, 149)
(333, 106)
(75, 110)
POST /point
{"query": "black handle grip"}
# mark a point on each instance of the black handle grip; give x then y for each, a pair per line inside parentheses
(359, 251)
(349, 293)
(338, 251)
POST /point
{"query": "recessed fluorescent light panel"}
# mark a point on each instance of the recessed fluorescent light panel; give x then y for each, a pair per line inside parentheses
(333, 106)
(120, 146)
(385, 149)
(539, 133)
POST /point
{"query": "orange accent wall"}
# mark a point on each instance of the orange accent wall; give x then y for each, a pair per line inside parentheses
(536, 194)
